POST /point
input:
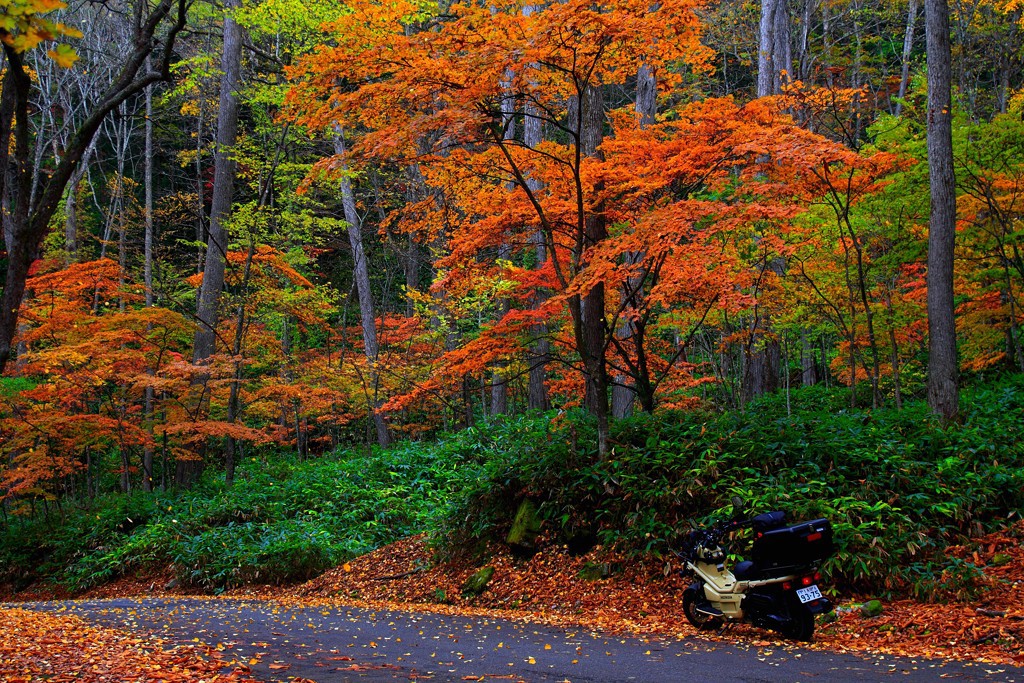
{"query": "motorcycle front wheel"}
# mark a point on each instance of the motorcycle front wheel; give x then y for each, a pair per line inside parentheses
(698, 619)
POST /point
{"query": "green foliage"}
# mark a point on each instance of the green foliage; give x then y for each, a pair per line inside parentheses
(897, 488)
(284, 520)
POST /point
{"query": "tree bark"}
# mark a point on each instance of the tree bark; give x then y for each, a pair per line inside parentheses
(774, 55)
(908, 46)
(592, 324)
(499, 379)
(224, 170)
(147, 270)
(71, 241)
(361, 273)
(808, 374)
(943, 394)
(537, 390)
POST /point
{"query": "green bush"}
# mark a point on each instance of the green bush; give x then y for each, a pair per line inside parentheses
(284, 520)
(897, 487)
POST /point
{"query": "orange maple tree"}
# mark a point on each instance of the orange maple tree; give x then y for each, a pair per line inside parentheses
(647, 224)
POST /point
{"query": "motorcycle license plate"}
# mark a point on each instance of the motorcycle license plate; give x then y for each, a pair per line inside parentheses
(808, 594)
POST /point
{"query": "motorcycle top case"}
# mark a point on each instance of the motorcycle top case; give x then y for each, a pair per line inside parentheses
(805, 543)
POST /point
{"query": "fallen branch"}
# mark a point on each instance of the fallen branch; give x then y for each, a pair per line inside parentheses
(395, 577)
(985, 639)
(989, 612)
(998, 614)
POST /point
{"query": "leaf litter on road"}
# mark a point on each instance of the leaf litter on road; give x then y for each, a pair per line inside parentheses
(62, 647)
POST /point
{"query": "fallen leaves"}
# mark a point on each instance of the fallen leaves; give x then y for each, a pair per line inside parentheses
(644, 599)
(548, 588)
(61, 647)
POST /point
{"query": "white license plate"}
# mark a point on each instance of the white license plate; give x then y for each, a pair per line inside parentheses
(808, 594)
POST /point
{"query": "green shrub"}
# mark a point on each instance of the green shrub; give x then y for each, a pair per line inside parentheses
(284, 520)
(897, 487)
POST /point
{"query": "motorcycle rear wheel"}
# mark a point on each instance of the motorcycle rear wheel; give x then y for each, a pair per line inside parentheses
(699, 620)
(801, 625)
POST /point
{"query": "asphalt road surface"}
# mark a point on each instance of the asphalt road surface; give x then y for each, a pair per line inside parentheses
(340, 644)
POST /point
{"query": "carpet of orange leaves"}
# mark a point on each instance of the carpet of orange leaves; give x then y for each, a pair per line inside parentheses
(60, 647)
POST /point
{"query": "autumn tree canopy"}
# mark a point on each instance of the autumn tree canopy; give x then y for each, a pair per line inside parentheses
(429, 215)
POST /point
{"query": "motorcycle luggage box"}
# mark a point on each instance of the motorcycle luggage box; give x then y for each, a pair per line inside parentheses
(805, 543)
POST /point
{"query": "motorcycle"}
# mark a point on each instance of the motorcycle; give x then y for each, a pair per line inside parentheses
(777, 589)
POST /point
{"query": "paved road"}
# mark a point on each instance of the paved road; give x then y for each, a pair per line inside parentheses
(335, 645)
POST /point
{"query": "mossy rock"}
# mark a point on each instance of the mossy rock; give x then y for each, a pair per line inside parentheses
(871, 609)
(595, 571)
(999, 559)
(525, 527)
(477, 583)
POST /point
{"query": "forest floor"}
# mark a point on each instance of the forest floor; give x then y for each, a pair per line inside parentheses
(548, 588)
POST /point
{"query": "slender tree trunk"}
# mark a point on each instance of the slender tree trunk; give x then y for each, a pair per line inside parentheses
(908, 46)
(894, 353)
(805, 30)
(943, 394)
(1007, 58)
(361, 273)
(147, 270)
(774, 69)
(809, 374)
(624, 395)
(223, 188)
(234, 404)
(499, 378)
(224, 169)
(71, 241)
(416, 191)
(591, 322)
(537, 390)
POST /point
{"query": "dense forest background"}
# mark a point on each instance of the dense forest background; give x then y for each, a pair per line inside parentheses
(299, 227)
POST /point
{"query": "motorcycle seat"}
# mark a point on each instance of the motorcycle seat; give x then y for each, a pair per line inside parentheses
(745, 571)
(768, 521)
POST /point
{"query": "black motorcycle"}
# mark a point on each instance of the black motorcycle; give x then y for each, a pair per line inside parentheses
(777, 589)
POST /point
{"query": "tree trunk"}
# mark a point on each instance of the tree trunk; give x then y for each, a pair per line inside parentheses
(537, 390)
(774, 55)
(894, 353)
(71, 242)
(943, 396)
(234, 403)
(624, 395)
(809, 374)
(592, 323)
(224, 168)
(147, 452)
(499, 379)
(908, 46)
(361, 273)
